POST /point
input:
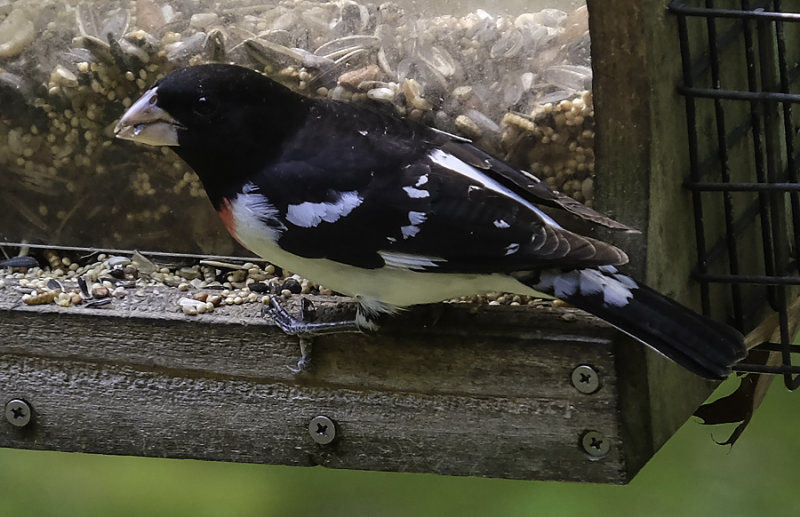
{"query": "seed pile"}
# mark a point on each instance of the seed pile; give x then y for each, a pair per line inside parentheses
(194, 287)
(98, 280)
(516, 85)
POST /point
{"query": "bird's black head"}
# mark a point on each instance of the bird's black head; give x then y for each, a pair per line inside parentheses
(223, 120)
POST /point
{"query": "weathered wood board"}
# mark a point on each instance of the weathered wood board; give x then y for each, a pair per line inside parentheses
(460, 390)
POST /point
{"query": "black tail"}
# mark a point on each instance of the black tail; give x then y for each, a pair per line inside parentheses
(697, 343)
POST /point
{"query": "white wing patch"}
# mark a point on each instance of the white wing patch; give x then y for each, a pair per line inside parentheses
(501, 224)
(309, 215)
(459, 166)
(409, 261)
(416, 192)
(409, 231)
(422, 180)
(417, 217)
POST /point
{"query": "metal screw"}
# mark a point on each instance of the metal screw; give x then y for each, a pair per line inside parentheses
(18, 413)
(322, 430)
(585, 379)
(595, 444)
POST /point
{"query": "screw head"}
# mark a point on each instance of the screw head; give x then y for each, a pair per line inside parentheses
(595, 444)
(18, 413)
(585, 379)
(322, 430)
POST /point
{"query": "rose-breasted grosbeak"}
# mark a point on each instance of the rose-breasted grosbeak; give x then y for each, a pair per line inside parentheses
(394, 213)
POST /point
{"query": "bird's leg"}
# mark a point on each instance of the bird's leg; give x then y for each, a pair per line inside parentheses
(299, 327)
(306, 331)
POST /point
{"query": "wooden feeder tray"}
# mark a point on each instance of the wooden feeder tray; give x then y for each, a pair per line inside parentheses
(456, 389)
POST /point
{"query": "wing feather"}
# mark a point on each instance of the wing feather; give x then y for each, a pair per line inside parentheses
(422, 195)
(528, 185)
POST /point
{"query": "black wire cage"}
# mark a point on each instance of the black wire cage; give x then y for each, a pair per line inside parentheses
(741, 82)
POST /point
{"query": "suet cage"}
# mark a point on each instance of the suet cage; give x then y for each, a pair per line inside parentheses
(741, 82)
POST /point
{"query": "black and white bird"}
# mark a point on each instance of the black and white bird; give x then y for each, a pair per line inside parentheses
(394, 213)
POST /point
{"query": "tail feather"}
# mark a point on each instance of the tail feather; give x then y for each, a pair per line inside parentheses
(701, 345)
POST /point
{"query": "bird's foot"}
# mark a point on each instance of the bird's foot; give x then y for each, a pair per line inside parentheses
(285, 321)
(304, 362)
(305, 330)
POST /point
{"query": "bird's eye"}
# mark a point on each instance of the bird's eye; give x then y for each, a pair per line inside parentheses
(204, 106)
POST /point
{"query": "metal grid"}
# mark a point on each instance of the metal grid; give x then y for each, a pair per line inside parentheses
(741, 80)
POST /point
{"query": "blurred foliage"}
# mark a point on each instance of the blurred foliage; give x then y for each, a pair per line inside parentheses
(690, 475)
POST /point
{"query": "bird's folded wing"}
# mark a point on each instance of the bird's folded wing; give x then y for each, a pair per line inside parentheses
(528, 185)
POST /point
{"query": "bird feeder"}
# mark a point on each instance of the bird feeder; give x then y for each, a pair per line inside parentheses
(508, 389)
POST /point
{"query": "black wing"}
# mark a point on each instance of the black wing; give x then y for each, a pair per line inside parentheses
(421, 203)
(526, 184)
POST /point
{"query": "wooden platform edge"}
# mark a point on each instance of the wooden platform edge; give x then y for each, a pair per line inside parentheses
(485, 391)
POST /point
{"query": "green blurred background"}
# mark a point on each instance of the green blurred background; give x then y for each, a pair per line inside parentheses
(690, 475)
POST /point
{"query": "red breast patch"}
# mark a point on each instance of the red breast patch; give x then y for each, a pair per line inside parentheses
(225, 213)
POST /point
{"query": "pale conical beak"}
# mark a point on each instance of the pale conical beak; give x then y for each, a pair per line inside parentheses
(146, 123)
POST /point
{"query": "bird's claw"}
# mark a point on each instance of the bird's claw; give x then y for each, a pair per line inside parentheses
(285, 321)
(304, 362)
(304, 329)
(295, 327)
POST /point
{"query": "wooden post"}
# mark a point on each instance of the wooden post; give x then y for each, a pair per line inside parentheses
(642, 162)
